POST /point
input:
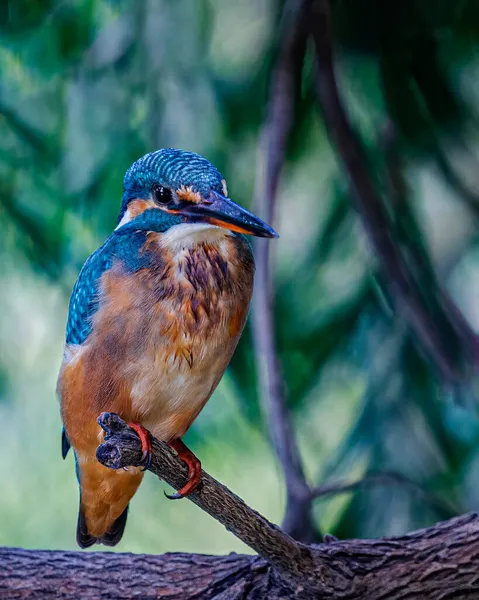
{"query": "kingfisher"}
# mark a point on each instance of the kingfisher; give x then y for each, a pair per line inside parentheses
(154, 318)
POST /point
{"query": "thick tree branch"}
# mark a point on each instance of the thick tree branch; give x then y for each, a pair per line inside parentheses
(285, 83)
(435, 563)
(29, 574)
(435, 328)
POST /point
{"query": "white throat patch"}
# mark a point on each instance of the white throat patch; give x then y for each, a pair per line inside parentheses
(127, 217)
(186, 235)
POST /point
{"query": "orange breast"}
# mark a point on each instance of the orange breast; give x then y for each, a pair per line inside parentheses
(161, 338)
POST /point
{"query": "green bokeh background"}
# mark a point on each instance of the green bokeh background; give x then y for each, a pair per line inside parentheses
(88, 86)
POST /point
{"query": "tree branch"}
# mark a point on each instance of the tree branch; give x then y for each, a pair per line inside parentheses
(33, 574)
(432, 564)
(438, 333)
(285, 82)
(122, 448)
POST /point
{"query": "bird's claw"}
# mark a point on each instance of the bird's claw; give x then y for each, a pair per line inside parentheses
(194, 470)
(146, 458)
(145, 438)
(194, 479)
(175, 496)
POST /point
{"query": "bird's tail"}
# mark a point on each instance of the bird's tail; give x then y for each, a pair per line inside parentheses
(104, 498)
(110, 538)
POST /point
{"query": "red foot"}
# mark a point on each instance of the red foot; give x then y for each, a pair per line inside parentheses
(145, 438)
(194, 469)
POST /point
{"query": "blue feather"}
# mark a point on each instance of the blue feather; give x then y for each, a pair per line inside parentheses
(84, 298)
(65, 444)
(125, 245)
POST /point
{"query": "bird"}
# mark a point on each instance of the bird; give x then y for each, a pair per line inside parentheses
(154, 318)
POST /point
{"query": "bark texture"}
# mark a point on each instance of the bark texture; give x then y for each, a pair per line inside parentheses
(437, 563)
(122, 448)
(45, 574)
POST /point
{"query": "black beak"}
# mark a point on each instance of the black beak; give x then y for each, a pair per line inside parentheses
(221, 211)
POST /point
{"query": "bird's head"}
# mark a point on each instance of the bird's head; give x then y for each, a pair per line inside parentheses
(183, 187)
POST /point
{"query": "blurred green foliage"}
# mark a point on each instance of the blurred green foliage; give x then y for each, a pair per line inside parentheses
(87, 87)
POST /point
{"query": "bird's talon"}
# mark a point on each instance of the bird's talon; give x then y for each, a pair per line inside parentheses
(146, 459)
(194, 469)
(175, 496)
(145, 438)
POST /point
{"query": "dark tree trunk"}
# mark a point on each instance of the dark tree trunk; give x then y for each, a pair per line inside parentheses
(438, 563)
(432, 564)
(90, 576)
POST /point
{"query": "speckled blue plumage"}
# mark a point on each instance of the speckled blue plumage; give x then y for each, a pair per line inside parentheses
(124, 244)
(84, 299)
(171, 168)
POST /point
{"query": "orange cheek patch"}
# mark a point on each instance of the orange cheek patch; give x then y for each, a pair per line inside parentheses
(136, 207)
(229, 226)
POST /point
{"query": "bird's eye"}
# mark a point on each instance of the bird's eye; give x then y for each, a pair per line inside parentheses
(161, 194)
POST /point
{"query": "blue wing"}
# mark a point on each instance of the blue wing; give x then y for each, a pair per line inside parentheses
(84, 299)
(124, 244)
(83, 305)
